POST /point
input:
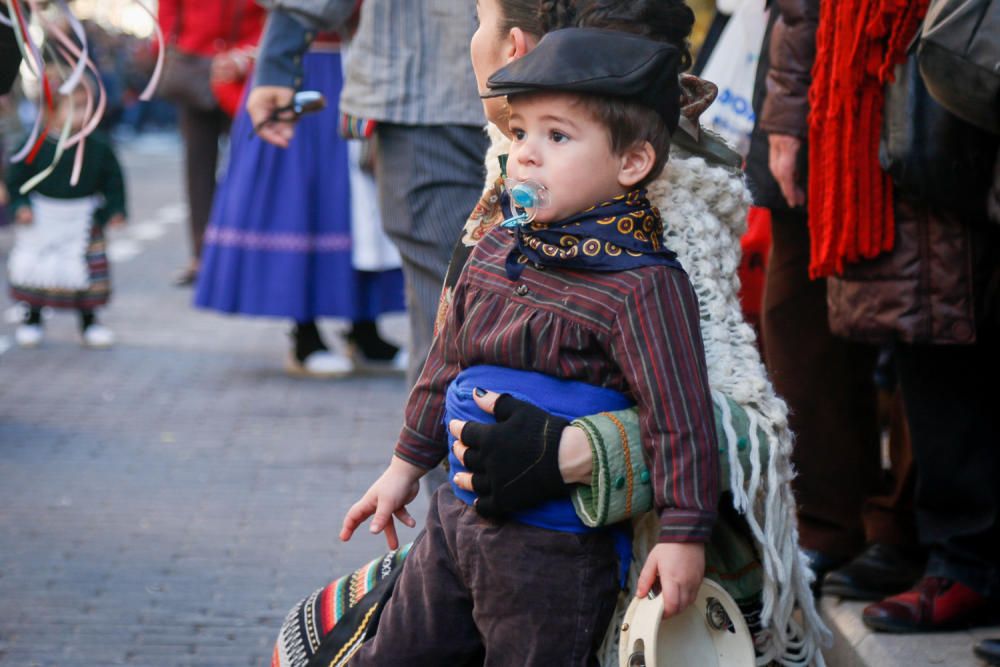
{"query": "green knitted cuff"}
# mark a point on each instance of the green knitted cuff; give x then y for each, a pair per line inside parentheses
(620, 486)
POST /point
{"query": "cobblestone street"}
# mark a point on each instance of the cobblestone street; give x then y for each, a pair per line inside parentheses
(166, 502)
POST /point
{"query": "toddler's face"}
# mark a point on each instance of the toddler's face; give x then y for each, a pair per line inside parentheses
(557, 142)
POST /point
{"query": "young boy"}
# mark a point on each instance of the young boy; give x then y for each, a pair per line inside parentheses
(59, 259)
(578, 311)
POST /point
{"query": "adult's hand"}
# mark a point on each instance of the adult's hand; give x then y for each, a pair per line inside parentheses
(229, 66)
(527, 457)
(783, 153)
(261, 103)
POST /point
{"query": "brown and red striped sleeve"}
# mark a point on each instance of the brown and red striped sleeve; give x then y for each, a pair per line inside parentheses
(657, 344)
(423, 440)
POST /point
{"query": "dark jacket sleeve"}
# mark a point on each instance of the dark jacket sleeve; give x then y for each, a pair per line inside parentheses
(792, 52)
(18, 173)
(10, 56)
(112, 186)
(315, 14)
(279, 57)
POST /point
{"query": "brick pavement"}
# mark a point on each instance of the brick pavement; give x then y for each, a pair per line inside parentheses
(165, 502)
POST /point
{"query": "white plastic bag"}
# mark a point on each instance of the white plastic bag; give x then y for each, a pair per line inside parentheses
(732, 66)
(371, 249)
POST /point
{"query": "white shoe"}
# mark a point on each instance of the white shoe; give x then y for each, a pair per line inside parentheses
(401, 361)
(321, 364)
(98, 336)
(29, 335)
(398, 364)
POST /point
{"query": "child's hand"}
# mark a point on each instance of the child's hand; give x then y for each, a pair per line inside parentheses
(680, 567)
(24, 216)
(386, 498)
(117, 220)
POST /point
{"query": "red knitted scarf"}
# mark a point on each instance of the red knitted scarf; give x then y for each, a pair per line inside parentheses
(858, 44)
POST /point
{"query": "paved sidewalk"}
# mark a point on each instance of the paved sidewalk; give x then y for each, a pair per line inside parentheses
(166, 502)
(857, 646)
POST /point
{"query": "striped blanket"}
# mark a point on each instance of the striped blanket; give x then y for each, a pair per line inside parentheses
(327, 627)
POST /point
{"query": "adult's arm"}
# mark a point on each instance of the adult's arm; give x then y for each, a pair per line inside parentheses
(792, 52)
(601, 463)
(786, 104)
(617, 485)
(290, 29)
(279, 56)
(315, 14)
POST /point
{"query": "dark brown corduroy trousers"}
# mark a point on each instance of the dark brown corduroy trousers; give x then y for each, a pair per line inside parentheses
(476, 592)
(845, 499)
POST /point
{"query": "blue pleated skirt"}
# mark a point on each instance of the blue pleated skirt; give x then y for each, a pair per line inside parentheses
(279, 240)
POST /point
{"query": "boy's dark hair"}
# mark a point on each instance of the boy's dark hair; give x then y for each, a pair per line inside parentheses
(668, 21)
(628, 124)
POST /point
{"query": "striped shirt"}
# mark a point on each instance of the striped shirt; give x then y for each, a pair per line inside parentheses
(634, 331)
(408, 61)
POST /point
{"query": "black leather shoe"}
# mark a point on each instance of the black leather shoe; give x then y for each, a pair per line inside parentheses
(821, 563)
(989, 651)
(877, 572)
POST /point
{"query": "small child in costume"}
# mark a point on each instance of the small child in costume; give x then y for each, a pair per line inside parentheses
(577, 307)
(59, 258)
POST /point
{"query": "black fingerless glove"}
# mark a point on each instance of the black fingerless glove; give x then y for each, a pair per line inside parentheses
(515, 462)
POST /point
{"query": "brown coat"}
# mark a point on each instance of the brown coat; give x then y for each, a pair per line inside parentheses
(929, 289)
(792, 52)
(940, 281)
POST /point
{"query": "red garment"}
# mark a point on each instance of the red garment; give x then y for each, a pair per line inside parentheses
(850, 198)
(229, 94)
(756, 244)
(210, 27)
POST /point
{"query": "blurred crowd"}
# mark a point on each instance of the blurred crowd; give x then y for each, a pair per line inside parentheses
(125, 62)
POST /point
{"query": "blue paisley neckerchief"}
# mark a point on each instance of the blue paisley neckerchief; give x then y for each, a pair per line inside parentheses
(624, 233)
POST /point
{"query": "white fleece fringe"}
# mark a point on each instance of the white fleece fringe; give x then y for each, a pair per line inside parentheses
(704, 211)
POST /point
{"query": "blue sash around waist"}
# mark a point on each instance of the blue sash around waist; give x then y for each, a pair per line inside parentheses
(565, 398)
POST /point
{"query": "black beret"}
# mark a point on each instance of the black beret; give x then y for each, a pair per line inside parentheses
(598, 62)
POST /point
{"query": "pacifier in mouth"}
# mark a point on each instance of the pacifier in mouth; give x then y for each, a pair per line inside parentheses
(527, 197)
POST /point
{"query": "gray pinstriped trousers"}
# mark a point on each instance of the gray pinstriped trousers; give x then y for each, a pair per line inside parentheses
(429, 179)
